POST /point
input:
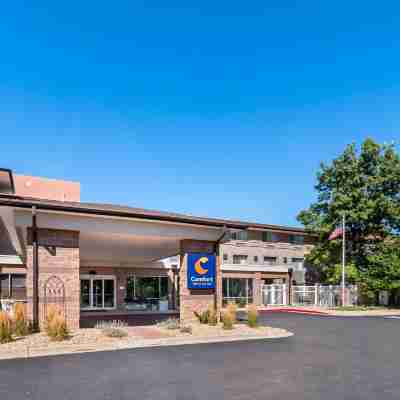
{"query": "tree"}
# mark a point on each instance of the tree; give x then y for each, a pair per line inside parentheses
(365, 185)
(384, 268)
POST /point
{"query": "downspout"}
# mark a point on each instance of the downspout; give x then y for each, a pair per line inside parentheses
(35, 271)
(218, 290)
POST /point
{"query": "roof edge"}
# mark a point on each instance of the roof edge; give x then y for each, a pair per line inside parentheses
(101, 210)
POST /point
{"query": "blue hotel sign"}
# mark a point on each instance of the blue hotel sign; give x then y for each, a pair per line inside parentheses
(201, 271)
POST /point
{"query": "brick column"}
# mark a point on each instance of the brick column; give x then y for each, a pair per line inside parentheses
(59, 261)
(199, 299)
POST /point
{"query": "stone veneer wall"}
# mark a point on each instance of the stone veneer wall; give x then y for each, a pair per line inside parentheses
(199, 299)
(59, 260)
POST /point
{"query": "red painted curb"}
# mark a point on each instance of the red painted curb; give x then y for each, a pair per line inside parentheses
(295, 311)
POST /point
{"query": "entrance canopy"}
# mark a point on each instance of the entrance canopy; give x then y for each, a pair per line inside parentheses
(109, 235)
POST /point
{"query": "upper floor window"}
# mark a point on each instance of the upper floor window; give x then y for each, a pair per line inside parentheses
(239, 235)
(297, 260)
(225, 257)
(239, 259)
(269, 260)
(269, 237)
(255, 258)
(296, 239)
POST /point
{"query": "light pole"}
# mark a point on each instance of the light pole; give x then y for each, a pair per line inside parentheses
(343, 258)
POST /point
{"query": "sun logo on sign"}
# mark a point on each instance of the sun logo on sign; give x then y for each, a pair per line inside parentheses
(198, 266)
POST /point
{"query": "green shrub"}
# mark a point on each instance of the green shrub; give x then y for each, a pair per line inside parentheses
(114, 332)
(227, 321)
(203, 316)
(170, 323)
(5, 328)
(21, 325)
(252, 316)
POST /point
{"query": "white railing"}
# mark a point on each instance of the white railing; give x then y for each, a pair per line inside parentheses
(275, 294)
(306, 295)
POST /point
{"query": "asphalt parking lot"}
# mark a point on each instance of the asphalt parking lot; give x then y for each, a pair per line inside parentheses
(329, 358)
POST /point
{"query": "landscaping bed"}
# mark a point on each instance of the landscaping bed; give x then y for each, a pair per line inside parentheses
(92, 339)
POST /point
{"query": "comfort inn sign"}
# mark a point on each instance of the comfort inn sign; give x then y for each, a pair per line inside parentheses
(201, 271)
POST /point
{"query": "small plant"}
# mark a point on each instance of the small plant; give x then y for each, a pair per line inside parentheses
(202, 316)
(5, 328)
(56, 327)
(186, 329)
(232, 309)
(212, 316)
(170, 323)
(114, 332)
(252, 316)
(227, 321)
(21, 325)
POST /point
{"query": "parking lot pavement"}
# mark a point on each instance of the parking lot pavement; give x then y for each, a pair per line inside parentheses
(329, 358)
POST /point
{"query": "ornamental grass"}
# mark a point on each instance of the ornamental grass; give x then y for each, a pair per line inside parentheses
(252, 316)
(6, 328)
(21, 325)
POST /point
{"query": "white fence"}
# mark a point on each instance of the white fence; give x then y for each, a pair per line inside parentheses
(275, 294)
(305, 295)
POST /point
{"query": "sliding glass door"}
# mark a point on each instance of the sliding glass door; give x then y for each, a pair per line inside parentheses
(98, 292)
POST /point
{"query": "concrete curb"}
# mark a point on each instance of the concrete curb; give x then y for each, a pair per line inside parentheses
(140, 344)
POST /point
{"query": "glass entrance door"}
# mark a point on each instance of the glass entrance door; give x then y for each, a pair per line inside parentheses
(85, 293)
(98, 293)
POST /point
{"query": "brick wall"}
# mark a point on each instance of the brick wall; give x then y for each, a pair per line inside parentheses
(58, 274)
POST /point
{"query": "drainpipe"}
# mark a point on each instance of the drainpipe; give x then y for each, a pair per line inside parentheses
(35, 271)
(218, 290)
(290, 272)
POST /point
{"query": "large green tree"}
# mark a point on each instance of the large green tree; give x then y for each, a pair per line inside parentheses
(365, 185)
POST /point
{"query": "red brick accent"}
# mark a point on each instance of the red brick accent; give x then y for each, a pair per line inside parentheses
(44, 188)
(195, 300)
(59, 257)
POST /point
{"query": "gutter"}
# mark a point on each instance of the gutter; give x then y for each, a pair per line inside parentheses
(22, 203)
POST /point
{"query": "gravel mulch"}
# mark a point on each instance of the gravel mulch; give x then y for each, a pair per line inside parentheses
(83, 340)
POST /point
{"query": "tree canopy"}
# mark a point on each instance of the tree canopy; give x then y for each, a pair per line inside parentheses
(365, 185)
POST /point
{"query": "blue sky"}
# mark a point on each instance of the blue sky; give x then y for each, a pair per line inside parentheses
(218, 109)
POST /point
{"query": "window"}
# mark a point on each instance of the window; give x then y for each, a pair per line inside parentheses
(255, 259)
(145, 293)
(239, 235)
(98, 292)
(13, 286)
(285, 260)
(269, 260)
(296, 239)
(297, 260)
(237, 290)
(270, 237)
(225, 257)
(239, 259)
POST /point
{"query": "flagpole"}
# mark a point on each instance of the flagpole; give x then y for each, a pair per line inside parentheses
(343, 258)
